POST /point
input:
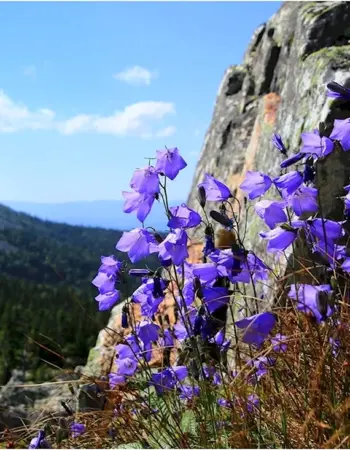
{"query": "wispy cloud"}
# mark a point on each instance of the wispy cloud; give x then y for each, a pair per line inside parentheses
(142, 119)
(30, 71)
(136, 76)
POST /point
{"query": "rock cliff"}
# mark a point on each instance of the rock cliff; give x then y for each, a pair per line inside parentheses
(279, 87)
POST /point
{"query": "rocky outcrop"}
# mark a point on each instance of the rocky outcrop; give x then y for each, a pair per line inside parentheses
(280, 87)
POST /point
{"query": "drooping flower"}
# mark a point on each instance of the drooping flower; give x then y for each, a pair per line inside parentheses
(110, 265)
(253, 403)
(262, 364)
(174, 247)
(304, 200)
(187, 392)
(169, 162)
(168, 378)
(257, 327)
(145, 181)
(39, 441)
(316, 145)
(271, 212)
(107, 300)
(257, 268)
(255, 184)
(105, 283)
(215, 297)
(206, 273)
(149, 297)
(141, 203)
(215, 190)
(115, 379)
(341, 133)
(126, 366)
(292, 160)
(346, 265)
(336, 90)
(279, 238)
(139, 243)
(183, 217)
(289, 182)
(220, 341)
(278, 143)
(326, 229)
(77, 429)
(279, 343)
(307, 298)
(147, 331)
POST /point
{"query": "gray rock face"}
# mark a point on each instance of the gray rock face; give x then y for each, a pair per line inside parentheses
(283, 89)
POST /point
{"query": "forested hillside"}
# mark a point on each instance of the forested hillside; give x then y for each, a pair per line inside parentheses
(48, 316)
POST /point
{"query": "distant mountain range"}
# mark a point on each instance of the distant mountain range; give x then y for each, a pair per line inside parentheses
(101, 213)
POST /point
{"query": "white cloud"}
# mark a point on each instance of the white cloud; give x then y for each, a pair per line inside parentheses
(30, 71)
(193, 153)
(197, 132)
(139, 119)
(136, 76)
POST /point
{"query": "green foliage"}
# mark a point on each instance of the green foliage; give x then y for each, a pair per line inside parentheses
(48, 316)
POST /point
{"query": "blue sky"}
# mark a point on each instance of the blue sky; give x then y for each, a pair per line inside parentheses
(88, 90)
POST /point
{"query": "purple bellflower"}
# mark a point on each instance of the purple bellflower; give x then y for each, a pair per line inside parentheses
(292, 160)
(107, 300)
(279, 343)
(139, 243)
(169, 162)
(304, 200)
(279, 238)
(77, 429)
(271, 212)
(39, 441)
(255, 184)
(256, 328)
(174, 247)
(145, 181)
(183, 217)
(147, 332)
(341, 133)
(289, 182)
(314, 145)
(141, 203)
(307, 298)
(215, 191)
(115, 379)
(278, 143)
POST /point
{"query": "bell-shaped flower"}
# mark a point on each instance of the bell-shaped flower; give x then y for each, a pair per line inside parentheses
(107, 300)
(292, 160)
(255, 184)
(279, 238)
(341, 133)
(145, 181)
(141, 203)
(315, 145)
(304, 200)
(183, 217)
(289, 182)
(169, 162)
(271, 212)
(215, 191)
(308, 299)
(174, 247)
(139, 243)
(257, 328)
